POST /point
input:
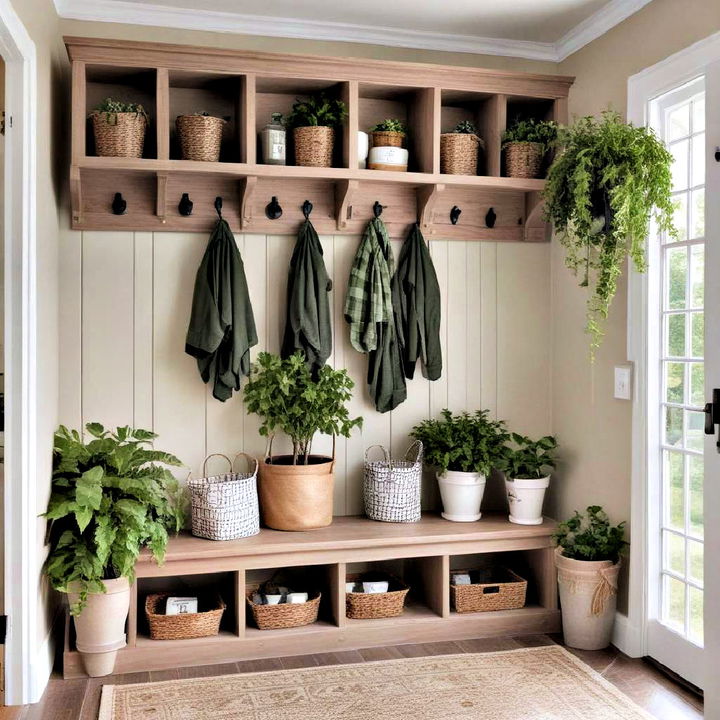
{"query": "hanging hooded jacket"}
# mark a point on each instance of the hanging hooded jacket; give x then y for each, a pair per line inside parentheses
(222, 326)
(419, 302)
(307, 326)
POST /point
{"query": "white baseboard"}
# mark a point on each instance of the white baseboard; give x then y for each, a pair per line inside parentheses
(627, 637)
(42, 667)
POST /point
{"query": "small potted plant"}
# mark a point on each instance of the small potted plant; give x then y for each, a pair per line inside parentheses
(391, 132)
(387, 151)
(459, 150)
(588, 560)
(296, 491)
(526, 143)
(200, 136)
(313, 122)
(111, 497)
(119, 128)
(526, 464)
(463, 448)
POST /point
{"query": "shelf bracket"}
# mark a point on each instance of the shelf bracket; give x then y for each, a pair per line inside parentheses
(161, 198)
(248, 186)
(427, 198)
(76, 194)
(536, 229)
(344, 193)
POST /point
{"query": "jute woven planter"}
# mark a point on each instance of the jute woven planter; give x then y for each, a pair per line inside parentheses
(204, 623)
(119, 134)
(314, 146)
(387, 138)
(459, 153)
(523, 159)
(284, 615)
(200, 137)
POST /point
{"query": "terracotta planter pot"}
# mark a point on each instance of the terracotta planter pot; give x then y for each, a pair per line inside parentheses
(588, 597)
(296, 497)
(100, 627)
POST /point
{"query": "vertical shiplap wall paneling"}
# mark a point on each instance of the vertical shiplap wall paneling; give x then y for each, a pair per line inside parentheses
(473, 313)
(487, 315)
(458, 317)
(143, 312)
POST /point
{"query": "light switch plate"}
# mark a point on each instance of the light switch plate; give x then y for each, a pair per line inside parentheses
(623, 381)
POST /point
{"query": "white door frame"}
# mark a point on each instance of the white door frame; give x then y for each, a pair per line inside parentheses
(22, 585)
(650, 83)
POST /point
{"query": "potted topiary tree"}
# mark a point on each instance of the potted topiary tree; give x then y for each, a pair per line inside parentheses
(313, 122)
(588, 560)
(526, 143)
(111, 497)
(526, 464)
(296, 491)
(463, 448)
(119, 128)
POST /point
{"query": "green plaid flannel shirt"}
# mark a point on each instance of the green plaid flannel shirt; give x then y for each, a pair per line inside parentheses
(369, 300)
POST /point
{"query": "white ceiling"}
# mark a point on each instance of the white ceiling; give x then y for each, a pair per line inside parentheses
(539, 29)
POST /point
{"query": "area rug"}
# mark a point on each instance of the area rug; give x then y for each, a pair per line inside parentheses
(544, 683)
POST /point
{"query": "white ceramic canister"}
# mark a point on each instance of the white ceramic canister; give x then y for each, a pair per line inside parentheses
(363, 145)
(388, 158)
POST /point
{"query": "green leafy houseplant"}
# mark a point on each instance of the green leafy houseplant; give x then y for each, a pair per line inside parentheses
(528, 459)
(591, 537)
(604, 186)
(110, 108)
(317, 110)
(389, 125)
(542, 132)
(465, 127)
(287, 398)
(110, 497)
(462, 442)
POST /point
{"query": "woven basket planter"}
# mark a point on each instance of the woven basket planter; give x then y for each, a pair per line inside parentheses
(284, 615)
(387, 138)
(459, 153)
(392, 488)
(523, 159)
(205, 623)
(314, 146)
(367, 606)
(200, 137)
(119, 134)
(225, 507)
(499, 589)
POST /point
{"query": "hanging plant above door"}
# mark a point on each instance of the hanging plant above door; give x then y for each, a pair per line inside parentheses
(606, 183)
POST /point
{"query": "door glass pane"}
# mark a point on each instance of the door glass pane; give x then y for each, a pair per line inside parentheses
(696, 616)
(697, 275)
(674, 491)
(697, 212)
(677, 265)
(674, 426)
(698, 334)
(697, 384)
(698, 114)
(695, 561)
(675, 341)
(674, 555)
(698, 160)
(678, 122)
(675, 382)
(696, 472)
(680, 217)
(680, 165)
(674, 603)
(695, 430)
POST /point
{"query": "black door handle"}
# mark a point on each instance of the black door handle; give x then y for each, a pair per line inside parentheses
(712, 415)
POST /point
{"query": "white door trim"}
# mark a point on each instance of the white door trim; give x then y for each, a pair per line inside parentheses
(674, 71)
(20, 520)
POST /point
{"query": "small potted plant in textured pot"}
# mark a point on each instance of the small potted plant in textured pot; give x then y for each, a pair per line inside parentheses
(525, 143)
(463, 448)
(200, 136)
(459, 150)
(588, 560)
(111, 497)
(314, 121)
(526, 465)
(387, 151)
(119, 128)
(296, 491)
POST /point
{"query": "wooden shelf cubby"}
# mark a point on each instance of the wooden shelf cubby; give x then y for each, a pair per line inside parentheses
(245, 88)
(421, 553)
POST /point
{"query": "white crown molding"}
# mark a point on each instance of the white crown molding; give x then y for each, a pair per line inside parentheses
(121, 11)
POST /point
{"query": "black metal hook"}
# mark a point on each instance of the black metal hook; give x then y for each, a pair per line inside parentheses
(307, 208)
(717, 154)
(218, 206)
(273, 210)
(185, 206)
(455, 214)
(490, 218)
(378, 208)
(119, 204)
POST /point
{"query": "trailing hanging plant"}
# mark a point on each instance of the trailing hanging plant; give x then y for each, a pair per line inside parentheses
(317, 110)
(591, 537)
(110, 108)
(604, 186)
(542, 132)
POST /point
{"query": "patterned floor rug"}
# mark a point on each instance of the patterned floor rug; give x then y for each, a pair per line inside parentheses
(544, 683)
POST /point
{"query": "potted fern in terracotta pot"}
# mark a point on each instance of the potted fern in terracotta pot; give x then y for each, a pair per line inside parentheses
(111, 497)
(296, 491)
(314, 121)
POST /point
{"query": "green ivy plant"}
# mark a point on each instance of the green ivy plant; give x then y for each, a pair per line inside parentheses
(542, 132)
(389, 125)
(462, 442)
(591, 537)
(111, 497)
(110, 108)
(606, 183)
(528, 459)
(317, 110)
(465, 127)
(287, 399)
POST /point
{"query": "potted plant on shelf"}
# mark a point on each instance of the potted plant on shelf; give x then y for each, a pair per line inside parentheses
(296, 491)
(119, 128)
(313, 121)
(526, 143)
(463, 448)
(459, 150)
(588, 560)
(526, 464)
(111, 497)
(387, 152)
(200, 136)
(602, 189)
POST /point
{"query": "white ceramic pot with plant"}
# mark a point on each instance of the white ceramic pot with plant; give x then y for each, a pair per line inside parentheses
(111, 496)
(526, 465)
(463, 448)
(588, 559)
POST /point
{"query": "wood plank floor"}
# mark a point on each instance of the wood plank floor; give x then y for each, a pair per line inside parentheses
(643, 683)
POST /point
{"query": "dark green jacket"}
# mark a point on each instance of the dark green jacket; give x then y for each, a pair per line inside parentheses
(307, 326)
(419, 324)
(222, 326)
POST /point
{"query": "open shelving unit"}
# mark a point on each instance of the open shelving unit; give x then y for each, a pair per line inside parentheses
(422, 553)
(244, 88)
